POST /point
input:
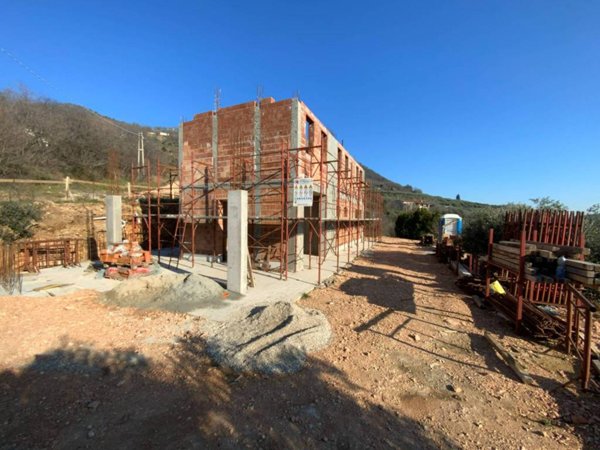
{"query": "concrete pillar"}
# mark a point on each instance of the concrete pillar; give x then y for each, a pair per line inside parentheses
(114, 230)
(296, 242)
(237, 241)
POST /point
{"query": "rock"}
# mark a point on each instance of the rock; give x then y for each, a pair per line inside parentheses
(91, 434)
(451, 322)
(453, 388)
(415, 336)
(93, 405)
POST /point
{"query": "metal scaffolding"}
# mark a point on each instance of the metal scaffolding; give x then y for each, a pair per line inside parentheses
(344, 219)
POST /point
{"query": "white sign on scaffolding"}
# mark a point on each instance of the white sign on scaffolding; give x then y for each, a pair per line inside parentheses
(303, 192)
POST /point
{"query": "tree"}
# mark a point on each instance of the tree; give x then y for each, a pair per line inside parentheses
(17, 220)
(548, 203)
(41, 138)
(591, 228)
(477, 226)
(413, 225)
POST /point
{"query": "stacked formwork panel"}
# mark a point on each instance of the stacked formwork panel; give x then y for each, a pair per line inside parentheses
(262, 147)
(564, 229)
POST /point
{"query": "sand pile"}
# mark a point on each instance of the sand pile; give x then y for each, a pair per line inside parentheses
(271, 339)
(168, 291)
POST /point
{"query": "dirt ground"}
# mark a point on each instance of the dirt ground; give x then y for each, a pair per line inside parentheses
(67, 220)
(407, 367)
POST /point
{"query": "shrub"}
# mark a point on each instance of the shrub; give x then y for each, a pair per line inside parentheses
(592, 232)
(17, 220)
(414, 224)
(476, 227)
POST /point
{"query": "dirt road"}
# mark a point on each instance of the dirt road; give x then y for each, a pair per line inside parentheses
(408, 367)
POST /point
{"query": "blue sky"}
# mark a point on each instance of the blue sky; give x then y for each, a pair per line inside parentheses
(496, 100)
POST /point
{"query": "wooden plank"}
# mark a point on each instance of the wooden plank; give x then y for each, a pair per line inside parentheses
(582, 272)
(511, 258)
(562, 249)
(517, 244)
(250, 272)
(583, 265)
(512, 267)
(510, 360)
(512, 250)
(583, 280)
(545, 254)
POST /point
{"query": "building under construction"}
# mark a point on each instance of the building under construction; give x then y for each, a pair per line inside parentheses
(268, 148)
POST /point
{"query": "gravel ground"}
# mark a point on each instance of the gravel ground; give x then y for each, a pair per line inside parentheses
(407, 367)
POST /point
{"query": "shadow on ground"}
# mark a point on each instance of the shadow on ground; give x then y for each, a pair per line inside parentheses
(76, 397)
(390, 288)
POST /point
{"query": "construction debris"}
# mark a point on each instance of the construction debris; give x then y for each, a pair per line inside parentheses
(510, 359)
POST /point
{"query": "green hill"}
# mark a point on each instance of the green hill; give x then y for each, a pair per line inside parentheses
(400, 197)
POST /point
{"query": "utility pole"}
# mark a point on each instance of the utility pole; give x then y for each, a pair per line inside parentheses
(140, 154)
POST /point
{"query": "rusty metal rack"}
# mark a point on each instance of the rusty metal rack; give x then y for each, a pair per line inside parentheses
(31, 256)
(526, 291)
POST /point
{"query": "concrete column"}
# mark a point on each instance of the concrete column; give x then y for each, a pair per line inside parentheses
(296, 241)
(237, 241)
(114, 230)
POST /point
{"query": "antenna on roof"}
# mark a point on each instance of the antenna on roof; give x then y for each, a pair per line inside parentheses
(297, 94)
(217, 99)
(259, 93)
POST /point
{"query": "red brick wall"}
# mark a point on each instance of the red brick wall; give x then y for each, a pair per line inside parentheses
(235, 159)
(275, 129)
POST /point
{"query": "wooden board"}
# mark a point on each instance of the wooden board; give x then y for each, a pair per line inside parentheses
(583, 265)
(510, 360)
(517, 244)
(514, 266)
(583, 280)
(582, 272)
(561, 249)
(511, 250)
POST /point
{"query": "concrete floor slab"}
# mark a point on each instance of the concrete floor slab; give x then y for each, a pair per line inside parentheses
(74, 279)
(269, 288)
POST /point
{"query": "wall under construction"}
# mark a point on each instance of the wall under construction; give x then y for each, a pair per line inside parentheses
(261, 147)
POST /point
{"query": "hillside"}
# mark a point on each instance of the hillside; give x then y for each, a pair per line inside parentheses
(396, 194)
(44, 139)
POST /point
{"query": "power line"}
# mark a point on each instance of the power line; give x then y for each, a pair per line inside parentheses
(42, 79)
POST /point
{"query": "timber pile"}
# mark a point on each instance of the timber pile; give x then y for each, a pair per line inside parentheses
(508, 256)
(583, 272)
(541, 261)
